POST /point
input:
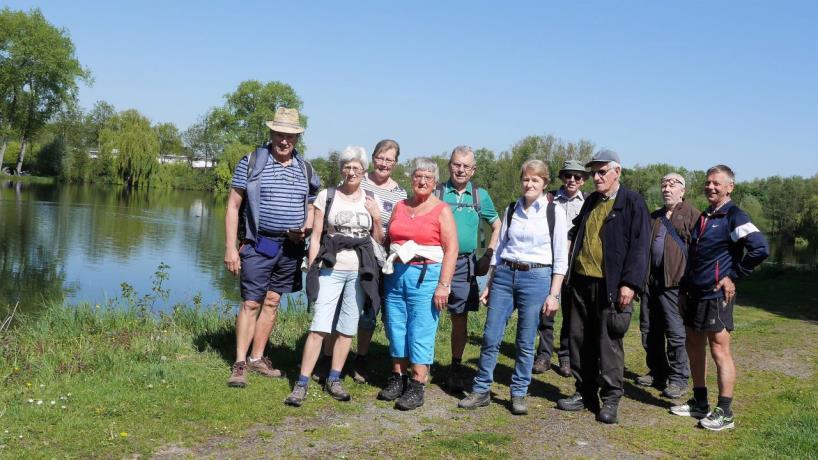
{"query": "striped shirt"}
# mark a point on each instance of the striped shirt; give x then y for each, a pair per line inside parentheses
(283, 191)
(388, 199)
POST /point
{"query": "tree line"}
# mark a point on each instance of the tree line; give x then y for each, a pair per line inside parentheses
(43, 130)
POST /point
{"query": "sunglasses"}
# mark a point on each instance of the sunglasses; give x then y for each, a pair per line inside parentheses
(577, 177)
(600, 172)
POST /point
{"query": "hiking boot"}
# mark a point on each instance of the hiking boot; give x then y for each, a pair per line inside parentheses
(360, 374)
(541, 364)
(412, 398)
(518, 405)
(297, 397)
(455, 379)
(673, 391)
(717, 421)
(474, 400)
(607, 414)
(572, 403)
(394, 387)
(263, 366)
(565, 368)
(336, 390)
(691, 408)
(321, 369)
(645, 380)
(238, 375)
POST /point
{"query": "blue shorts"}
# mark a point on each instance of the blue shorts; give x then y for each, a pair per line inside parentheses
(280, 274)
(411, 317)
(465, 295)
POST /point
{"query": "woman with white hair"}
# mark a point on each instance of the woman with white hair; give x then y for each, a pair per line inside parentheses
(342, 263)
(419, 272)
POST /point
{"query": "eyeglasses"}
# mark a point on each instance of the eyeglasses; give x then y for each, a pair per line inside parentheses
(671, 182)
(462, 166)
(422, 178)
(385, 161)
(601, 172)
(352, 169)
(576, 177)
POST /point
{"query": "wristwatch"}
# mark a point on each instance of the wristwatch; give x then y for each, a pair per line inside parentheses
(446, 285)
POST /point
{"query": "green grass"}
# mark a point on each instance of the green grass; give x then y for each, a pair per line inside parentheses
(29, 179)
(124, 383)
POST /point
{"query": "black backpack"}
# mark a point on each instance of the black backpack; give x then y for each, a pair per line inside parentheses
(550, 216)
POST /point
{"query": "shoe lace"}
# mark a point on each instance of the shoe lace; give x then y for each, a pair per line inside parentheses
(266, 362)
(238, 368)
(717, 414)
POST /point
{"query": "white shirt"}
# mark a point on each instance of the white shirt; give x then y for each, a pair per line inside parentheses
(528, 240)
(571, 205)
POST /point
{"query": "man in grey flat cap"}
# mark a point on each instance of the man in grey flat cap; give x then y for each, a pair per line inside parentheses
(570, 199)
(608, 265)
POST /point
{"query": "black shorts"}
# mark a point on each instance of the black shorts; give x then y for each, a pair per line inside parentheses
(465, 295)
(708, 315)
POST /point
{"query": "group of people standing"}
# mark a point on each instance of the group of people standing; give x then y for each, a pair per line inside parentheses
(375, 248)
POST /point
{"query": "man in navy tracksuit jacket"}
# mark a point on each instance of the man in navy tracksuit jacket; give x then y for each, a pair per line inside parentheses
(724, 246)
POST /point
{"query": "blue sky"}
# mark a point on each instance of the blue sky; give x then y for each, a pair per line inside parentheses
(686, 83)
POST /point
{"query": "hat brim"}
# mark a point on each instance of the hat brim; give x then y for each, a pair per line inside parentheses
(588, 164)
(286, 128)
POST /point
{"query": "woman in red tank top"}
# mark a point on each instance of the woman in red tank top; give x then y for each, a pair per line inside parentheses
(418, 289)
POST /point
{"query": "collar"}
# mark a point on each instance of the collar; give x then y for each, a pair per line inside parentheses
(449, 187)
(613, 195)
(721, 210)
(561, 193)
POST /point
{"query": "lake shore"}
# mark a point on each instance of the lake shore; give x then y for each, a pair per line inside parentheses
(87, 381)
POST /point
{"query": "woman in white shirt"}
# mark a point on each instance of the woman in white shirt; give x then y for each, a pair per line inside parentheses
(526, 274)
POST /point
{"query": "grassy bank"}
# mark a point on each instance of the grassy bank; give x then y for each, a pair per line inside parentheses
(28, 179)
(84, 381)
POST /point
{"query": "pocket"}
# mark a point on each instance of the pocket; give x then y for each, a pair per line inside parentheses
(619, 321)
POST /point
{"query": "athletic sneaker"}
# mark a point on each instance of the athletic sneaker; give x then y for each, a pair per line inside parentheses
(691, 408)
(717, 421)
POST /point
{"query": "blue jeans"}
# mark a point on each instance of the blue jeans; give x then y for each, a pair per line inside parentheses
(526, 291)
(410, 316)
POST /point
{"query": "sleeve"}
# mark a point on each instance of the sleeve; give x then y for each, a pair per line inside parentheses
(560, 241)
(753, 247)
(240, 175)
(487, 210)
(635, 268)
(501, 243)
(314, 186)
(320, 201)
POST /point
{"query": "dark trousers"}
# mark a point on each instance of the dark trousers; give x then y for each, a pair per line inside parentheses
(546, 333)
(597, 358)
(663, 335)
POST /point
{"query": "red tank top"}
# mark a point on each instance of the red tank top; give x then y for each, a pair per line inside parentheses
(423, 229)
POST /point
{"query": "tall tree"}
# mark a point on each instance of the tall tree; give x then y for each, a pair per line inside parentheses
(254, 102)
(40, 72)
(170, 141)
(95, 120)
(129, 138)
(205, 138)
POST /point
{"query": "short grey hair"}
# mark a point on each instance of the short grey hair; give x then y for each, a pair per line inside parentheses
(723, 169)
(615, 165)
(353, 153)
(425, 164)
(461, 150)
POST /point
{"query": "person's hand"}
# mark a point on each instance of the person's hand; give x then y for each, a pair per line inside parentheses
(484, 296)
(625, 297)
(551, 305)
(441, 298)
(729, 288)
(296, 235)
(232, 261)
(372, 207)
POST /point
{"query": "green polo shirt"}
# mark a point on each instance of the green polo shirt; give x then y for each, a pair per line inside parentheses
(589, 260)
(465, 217)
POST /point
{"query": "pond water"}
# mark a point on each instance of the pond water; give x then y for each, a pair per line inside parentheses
(81, 242)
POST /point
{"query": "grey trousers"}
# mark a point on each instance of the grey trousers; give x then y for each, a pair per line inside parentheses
(663, 335)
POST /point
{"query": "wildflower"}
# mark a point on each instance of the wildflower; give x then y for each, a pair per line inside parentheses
(30, 401)
(164, 382)
(150, 386)
(39, 402)
(42, 385)
(123, 434)
(62, 407)
(69, 395)
(53, 402)
(28, 384)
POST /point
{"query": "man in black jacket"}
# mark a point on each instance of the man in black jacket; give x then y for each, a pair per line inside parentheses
(608, 266)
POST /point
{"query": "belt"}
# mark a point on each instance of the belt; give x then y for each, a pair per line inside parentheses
(523, 267)
(267, 234)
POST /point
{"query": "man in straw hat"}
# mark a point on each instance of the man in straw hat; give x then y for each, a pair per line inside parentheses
(608, 265)
(268, 213)
(570, 199)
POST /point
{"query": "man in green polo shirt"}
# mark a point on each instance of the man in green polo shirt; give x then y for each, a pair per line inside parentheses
(469, 204)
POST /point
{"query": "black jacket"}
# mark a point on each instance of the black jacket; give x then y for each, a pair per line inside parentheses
(368, 272)
(625, 241)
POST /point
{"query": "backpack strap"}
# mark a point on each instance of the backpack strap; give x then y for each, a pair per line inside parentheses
(327, 207)
(439, 188)
(509, 215)
(550, 211)
(475, 198)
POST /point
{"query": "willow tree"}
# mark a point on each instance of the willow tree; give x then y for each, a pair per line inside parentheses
(129, 138)
(39, 72)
